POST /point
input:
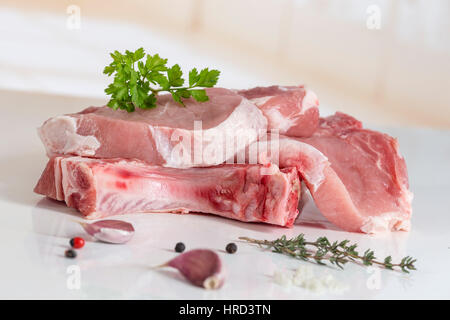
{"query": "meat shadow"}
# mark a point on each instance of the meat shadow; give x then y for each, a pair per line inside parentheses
(53, 218)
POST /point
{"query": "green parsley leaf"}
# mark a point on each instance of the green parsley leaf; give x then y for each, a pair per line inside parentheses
(175, 75)
(193, 77)
(208, 78)
(155, 63)
(199, 95)
(176, 96)
(139, 78)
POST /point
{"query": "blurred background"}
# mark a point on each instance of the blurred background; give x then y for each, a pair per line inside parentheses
(385, 62)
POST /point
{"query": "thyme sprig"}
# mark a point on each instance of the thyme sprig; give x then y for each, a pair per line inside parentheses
(336, 253)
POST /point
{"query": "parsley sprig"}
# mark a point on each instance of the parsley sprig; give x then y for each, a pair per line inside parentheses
(139, 78)
(337, 253)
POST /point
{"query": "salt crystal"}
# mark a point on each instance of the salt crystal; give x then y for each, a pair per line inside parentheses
(282, 278)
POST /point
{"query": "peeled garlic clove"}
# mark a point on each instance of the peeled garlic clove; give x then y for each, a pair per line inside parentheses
(111, 231)
(201, 267)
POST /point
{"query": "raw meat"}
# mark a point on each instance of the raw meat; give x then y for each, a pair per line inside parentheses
(100, 188)
(359, 183)
(366, 188)
(287, 152)
(201, 134)
(291, 110)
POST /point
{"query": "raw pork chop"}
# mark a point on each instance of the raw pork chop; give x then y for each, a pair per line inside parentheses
(366, 188)
(292, 110)
(356, 177)
(168, 135)
(100, 188)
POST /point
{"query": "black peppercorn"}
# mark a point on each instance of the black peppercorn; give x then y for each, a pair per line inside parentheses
(231, 247)
(179, 247)
(70, 253)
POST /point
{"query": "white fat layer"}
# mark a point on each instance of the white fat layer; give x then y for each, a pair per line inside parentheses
(309, 101)
(409, 195)
(261, 100)
(217, 144)
(68, 179)
(69, 183)
(316, 163)
(59, 135)
(163, 145)
(314, 173)
(278, 121)
(57, 171)
(275, 201)
(388, 221)
(65, 180)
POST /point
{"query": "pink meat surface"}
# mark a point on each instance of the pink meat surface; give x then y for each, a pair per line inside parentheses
(291, 110)
(168, 135)
(287, 152)
(101, 188)
(356, 176)
(366, 188)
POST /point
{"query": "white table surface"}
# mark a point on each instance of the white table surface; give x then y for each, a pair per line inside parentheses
(35, 231)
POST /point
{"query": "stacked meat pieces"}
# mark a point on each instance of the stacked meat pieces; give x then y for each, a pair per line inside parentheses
(242, 155)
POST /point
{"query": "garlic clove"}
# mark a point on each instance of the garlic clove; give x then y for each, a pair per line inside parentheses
(213, 282)
(111, 231)
(202, 267)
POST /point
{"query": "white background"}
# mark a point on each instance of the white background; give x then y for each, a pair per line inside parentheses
(47, 69)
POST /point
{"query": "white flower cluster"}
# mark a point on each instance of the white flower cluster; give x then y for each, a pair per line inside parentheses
(304, 278)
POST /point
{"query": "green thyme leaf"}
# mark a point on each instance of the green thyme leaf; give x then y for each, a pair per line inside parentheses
(336, 253)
